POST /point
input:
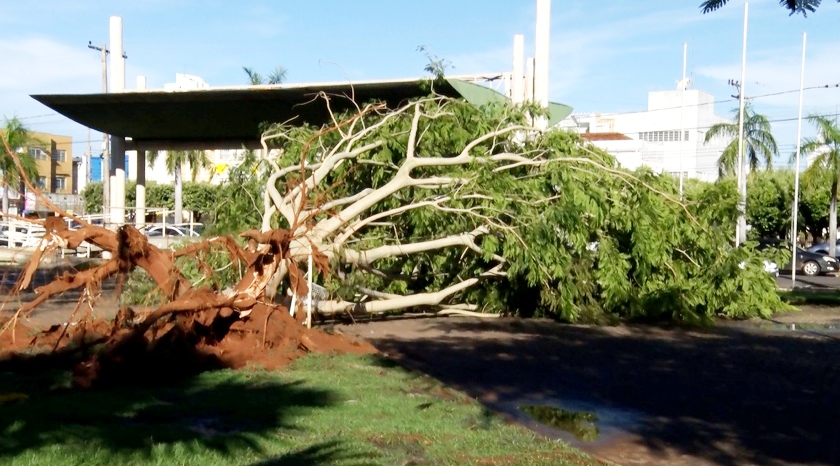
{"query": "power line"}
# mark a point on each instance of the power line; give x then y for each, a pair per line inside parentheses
(759, 96)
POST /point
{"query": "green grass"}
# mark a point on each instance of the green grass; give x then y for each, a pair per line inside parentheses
(337, 410)
(811, 297)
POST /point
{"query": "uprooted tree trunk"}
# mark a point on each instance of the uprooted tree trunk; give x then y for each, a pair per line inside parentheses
(265, 253)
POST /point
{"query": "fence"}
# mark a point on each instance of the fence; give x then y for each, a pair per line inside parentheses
(161, 230)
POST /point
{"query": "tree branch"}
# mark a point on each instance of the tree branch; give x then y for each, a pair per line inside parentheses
(381, 252)
(397, 302)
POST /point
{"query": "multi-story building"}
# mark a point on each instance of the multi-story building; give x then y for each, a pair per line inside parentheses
(669, 136)
(57, 171)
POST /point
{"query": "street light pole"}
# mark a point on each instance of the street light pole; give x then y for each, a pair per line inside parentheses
(105, 168)
(741, 230)
(794, 235)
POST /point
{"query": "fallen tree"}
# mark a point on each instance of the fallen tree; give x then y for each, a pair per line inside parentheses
(441, 206)
(445, 207)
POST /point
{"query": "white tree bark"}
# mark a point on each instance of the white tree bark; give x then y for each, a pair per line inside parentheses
(6, 198)
(314, 224)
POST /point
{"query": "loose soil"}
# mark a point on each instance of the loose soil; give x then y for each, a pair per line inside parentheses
(108, 351)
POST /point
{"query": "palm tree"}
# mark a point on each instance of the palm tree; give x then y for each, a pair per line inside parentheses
(16, 137)
(758, 142)
(794, 6)
(826, 148)
(278, 76)
(175, 160)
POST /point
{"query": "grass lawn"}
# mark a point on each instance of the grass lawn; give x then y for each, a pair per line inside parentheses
(336, 410)
(811, 297)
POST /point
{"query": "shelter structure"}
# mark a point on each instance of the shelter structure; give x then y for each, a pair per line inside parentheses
(232, 117)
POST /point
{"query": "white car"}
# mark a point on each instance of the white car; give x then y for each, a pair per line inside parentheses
(770, 267)
(169, 230)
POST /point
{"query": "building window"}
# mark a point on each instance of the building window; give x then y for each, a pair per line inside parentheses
(41, 183)
(60, 156)
(663, 136)
(60, 183)
(37, 153)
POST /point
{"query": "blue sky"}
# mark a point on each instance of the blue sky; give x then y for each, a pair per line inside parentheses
(605, 55)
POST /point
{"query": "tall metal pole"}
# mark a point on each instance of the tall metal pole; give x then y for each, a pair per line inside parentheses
(741, 231)
(794, 236)
(118, 142)
(683, 85)
(106, 149)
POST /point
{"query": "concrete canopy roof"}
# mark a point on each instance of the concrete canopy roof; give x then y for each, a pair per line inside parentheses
(222, 118)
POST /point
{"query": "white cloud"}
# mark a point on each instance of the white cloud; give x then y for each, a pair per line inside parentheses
(35, 65)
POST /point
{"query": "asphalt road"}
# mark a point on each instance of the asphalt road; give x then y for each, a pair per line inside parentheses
(820, 282)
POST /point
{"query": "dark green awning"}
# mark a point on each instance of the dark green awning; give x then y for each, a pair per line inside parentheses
(231, 117)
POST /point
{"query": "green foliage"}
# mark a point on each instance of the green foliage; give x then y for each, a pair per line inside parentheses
(92, 197)
(770, 203)
(16, 136)
(814, 201)
(656, 258)
(277, 76)
(141, 289)
(201, 198)
(239, 202)
(435, 66)
(826, 166)
(759, 144)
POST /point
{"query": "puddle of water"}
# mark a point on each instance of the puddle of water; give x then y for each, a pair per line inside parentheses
(595, 424)
(581, 424)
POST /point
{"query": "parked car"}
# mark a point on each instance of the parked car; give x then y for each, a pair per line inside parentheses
(807, 262)
(169, 230)
(822, 248)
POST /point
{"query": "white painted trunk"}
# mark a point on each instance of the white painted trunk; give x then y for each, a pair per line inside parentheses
(178, 197)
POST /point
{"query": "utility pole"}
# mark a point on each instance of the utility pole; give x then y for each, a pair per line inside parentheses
(683, 86)
(106, 156)
(105, 167)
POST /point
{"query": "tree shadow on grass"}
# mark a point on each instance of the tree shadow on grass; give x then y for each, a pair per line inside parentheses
(225, 412)
(729, 395)
(321, 453)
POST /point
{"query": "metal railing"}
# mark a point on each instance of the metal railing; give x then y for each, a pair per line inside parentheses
(22, 235)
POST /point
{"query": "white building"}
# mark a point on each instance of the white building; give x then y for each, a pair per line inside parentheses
(669, 136)
(221, 160)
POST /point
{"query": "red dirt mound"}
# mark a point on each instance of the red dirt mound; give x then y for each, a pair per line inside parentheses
(115, 352)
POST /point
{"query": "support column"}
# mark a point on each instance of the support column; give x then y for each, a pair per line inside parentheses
(140, 215)
(541, 57)
(117, 175)
(140, 171)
